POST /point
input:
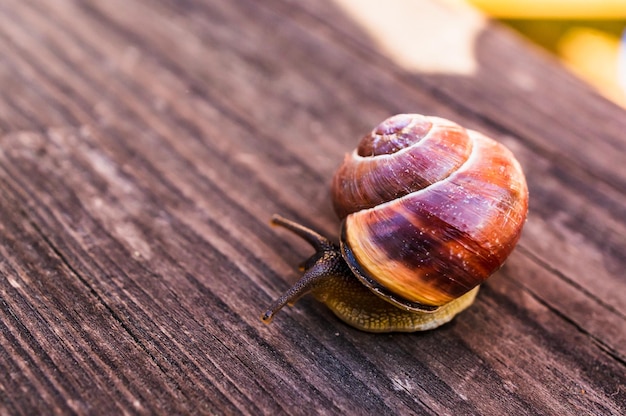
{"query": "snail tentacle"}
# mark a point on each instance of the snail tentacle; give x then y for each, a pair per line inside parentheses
(324, 264)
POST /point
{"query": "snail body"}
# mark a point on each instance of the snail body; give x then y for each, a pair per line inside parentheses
(429, 211)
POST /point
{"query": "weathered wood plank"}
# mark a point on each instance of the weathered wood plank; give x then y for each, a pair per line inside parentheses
(143, 147)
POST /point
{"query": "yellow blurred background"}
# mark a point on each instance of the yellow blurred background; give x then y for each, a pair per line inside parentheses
(588, 35)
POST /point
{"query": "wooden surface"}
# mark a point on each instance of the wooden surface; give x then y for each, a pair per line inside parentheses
(145, 145)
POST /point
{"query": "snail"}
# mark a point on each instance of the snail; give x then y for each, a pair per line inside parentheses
(429, 210)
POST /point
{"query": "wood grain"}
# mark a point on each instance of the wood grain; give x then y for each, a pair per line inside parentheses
(143, 148)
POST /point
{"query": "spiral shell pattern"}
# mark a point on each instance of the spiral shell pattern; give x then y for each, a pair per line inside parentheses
(431, 209)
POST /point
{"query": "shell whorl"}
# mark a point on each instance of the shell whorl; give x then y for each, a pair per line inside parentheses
(431, 209)
(403, 154)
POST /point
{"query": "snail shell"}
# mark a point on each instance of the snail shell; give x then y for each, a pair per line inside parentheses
(431, 209)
